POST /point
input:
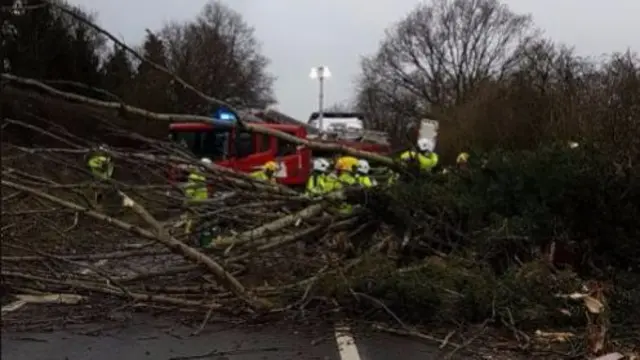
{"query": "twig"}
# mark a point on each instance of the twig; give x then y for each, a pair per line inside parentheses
(412, 333)
(468, 342)
(381, 304)
(105, 256)
(112, 291)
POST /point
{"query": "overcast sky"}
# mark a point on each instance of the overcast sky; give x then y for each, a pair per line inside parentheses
(299, 34)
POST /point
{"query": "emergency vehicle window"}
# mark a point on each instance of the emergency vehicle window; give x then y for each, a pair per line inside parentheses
(187, 140)
(215, 144)
(266, 143)
(286, 148)
(244, 144)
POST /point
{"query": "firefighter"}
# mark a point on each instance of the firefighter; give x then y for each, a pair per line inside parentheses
(344, 177)
(462, 160)
(344, 170)
(195, 190)
(318, 182)
(424, 159)
(332, 183)
(362, 174)
(267, 172)
(101, 167)
(331, 180)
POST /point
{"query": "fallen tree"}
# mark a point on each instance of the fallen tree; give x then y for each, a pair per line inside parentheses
(473, 252)
(509, 244)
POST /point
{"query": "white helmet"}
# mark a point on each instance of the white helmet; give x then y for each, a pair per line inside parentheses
(206, 161)
(573, 145)
(363, 167)
(425, 145)
(321, 165)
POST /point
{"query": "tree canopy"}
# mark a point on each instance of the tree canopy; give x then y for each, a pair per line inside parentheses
(492, 80)
(216, 52)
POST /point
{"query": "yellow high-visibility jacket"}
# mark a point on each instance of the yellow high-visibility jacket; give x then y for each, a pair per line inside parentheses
(101, 166)
(196, 187)
(426, 162)
(346, 178)
(331, 182)
(365, 181)
(318, 184)
(342, 180)
(262, 175)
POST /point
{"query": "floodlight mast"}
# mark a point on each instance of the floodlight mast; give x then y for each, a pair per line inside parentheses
(320, 73)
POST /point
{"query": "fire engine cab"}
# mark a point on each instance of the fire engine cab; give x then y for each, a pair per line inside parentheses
(222, 141)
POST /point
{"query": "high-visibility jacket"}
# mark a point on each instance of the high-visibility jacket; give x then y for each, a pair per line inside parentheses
(425, 162)
(365, 181)
(101, 166)
(262, 175)
(318, 184)
(346, 178)
(196, 187)
(331, 182)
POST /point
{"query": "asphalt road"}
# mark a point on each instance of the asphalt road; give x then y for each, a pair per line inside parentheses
(157, 340)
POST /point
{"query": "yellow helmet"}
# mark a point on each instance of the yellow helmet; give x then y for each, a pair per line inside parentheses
(346, 163)
(270, 166)
(462, 158)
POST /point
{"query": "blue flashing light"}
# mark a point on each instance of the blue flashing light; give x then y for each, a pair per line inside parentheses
(224, 114)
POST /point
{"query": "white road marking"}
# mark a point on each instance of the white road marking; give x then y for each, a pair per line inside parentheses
(346, 343)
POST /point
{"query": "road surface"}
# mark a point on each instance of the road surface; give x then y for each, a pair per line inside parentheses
(162, 340)
(146, 337)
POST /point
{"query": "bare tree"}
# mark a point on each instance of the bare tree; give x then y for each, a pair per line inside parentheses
(218, 53)
(612, 102)
(440, 52)
(343, 107)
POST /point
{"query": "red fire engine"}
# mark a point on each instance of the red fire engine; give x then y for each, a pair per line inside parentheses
(230, 146)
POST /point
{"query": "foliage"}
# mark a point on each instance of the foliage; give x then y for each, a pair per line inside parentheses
(46, 44)
(118, 72)
(151, 88)
(496, 224)
(543, 196)
(458, 290)
(530, 217)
